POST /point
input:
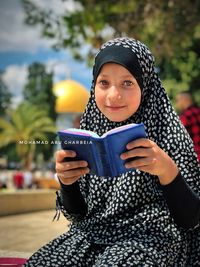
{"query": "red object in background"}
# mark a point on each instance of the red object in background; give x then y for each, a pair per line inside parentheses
(12, 262)
(19, 180)
(191, 120)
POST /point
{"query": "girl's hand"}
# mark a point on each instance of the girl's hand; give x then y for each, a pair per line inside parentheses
(69, 172)
(153, 160)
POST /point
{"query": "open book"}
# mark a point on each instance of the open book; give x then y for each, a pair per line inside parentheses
(101, 153)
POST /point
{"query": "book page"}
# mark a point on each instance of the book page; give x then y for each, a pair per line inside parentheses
(120, 128)
(80, 132)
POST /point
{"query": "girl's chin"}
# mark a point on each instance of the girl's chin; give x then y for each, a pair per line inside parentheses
(113, 119)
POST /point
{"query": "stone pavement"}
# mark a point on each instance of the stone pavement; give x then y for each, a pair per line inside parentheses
(21, 235)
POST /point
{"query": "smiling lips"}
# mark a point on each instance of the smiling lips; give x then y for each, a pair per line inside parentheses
(115, 108)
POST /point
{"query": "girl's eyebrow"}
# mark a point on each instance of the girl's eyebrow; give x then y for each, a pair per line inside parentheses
(103, 75)
(121, 76)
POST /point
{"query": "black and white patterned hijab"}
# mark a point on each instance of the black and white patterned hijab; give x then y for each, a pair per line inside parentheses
(156, 112)
(162, 126)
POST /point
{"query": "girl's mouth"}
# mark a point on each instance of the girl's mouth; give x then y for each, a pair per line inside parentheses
(115, 108)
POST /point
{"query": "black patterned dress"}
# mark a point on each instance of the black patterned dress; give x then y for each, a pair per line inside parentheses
(128, 222)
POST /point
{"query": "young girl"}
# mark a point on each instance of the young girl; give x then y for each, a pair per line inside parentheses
(147, 216)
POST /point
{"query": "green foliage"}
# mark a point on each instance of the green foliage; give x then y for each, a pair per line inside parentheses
(38, 89)
(26, 123)
(164, 25)
(183, 73)
(5, 97)
(170, 28)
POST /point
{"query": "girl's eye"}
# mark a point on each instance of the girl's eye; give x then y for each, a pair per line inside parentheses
(103, 82)
(128, 83)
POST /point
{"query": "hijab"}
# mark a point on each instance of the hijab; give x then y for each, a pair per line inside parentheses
(132, 206)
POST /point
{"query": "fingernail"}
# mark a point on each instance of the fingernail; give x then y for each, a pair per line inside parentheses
(122, 156)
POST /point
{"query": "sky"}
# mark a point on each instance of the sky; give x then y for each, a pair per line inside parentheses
(21, 45)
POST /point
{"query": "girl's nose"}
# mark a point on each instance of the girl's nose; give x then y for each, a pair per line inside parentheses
(114, 93)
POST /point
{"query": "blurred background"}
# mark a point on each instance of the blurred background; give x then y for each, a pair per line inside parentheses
(46, 56)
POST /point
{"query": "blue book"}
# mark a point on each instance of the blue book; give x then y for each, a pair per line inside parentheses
(101, 153)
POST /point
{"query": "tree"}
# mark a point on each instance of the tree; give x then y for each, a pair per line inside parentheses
(166, 26)
(38, 89)
(183, 72)
(170, 28)
(22, 128)
(5, 97)
(38, 92)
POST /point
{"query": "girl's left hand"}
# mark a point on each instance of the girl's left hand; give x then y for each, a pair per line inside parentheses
(152, 160)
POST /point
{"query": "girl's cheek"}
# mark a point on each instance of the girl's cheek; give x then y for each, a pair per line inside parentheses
(99, 96)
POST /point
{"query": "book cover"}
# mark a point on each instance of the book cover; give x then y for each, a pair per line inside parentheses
(101, 152)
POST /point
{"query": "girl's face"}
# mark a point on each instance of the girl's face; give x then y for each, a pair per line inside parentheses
(117, 92)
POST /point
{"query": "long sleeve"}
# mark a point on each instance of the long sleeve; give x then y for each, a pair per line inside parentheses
(72, 199)
(183, 203)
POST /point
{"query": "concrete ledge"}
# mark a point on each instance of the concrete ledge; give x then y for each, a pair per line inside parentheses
(26, 201)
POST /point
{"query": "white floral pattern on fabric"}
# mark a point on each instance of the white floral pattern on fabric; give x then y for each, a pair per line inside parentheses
(128, 222)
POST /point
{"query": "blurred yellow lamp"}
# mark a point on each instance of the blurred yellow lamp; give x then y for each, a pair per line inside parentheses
(71, 96)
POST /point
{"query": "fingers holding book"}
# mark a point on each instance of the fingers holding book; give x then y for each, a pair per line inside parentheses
(68, 169)
(147, 156)
(62, 154)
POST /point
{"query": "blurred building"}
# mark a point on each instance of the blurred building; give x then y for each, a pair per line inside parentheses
(72, 98)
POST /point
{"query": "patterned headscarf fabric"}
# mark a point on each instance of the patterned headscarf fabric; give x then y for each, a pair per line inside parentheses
(131, 207)
(115, 54)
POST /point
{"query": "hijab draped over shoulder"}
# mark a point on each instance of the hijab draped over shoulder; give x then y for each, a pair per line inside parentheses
(132, 207)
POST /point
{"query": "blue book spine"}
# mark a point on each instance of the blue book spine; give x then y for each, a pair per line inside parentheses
(110, 168)
(95, 163)
(103, 158)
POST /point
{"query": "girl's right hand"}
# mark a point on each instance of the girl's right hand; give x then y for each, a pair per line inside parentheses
(69, 172)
